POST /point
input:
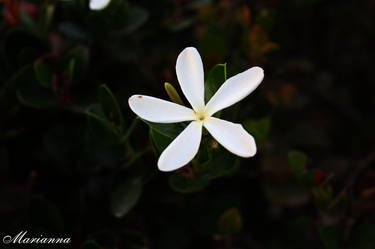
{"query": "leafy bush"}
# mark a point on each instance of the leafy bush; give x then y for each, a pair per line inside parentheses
(76, 162)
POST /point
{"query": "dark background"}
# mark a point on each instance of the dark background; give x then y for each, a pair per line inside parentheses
(64, 173)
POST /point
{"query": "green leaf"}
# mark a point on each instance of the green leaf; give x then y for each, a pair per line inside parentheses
(332, 236)
(91, 245)
(111, 107)
(102, 143)
(44, 214)
(23, 46)
(81, 57)
(362, 237)
(22, 75)
(137, 17)
(213, 41)
(33, 95)
(179, 24)
(28, 22)
(221, 164)
(230, 222)
(308, 179)
(73, 31)
(95, 111)
(48, 16)
(125, 197)
(216, 77)
(159, 141)
(266, 19)
(168, 130)
(106, 238)
(61, 142)
(297, 162)
(287, 194)
(43, 74)
(100, 126)
(71, 70)
(196, 4)
(187, 184)
(259, 128)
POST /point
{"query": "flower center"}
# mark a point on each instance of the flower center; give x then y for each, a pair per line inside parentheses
(200, 116)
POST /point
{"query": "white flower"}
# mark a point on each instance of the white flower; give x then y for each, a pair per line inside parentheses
(184, 147)
(98, 4)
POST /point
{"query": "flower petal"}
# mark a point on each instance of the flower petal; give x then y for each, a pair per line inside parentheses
(183, 149)
(98, 4)
(158, 110)
(235, 89)
(190, 74)
(232, 136)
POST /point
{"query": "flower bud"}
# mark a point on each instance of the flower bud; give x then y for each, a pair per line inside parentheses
(173, 94)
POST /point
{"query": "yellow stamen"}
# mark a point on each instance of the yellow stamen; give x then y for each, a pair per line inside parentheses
(200, 116)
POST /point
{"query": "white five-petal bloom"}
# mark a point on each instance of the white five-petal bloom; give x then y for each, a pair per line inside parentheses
(98, 4)
(184, 147)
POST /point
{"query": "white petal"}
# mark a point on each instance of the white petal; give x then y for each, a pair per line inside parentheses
(189, 70)
(183, 149)
(232, 136)
(98, 4)
(158, 110)
(235, 89)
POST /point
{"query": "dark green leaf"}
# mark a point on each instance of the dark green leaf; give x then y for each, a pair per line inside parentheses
(287, 194)
(125, 197)
(105, 238)
(111, 107)
(45, 215)
(332, 236)
(308, 179)
(266, 19)
(196, 4)
(43, 74)
(48, 16)
(28, 21)
(33, 95)
(259, 128)
(91, 245)
(96, 112)
(102, 144)
(216, 77)
(23, 46)
(159, 141)
(230, 222)
(61, 142)
(73, 31)
(297, 162)
(168, 130)
(22, 75)
(363, 237)
(179, 24)
(81, 57)
(137, 17)
(187, 184)
(71, 69)
(213, 41)
(221, 164)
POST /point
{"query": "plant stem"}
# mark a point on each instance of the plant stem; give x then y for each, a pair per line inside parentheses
(138, 155)
(360, 168)
(130, 130)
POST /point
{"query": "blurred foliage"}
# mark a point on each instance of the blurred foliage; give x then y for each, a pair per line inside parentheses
(76, 162)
